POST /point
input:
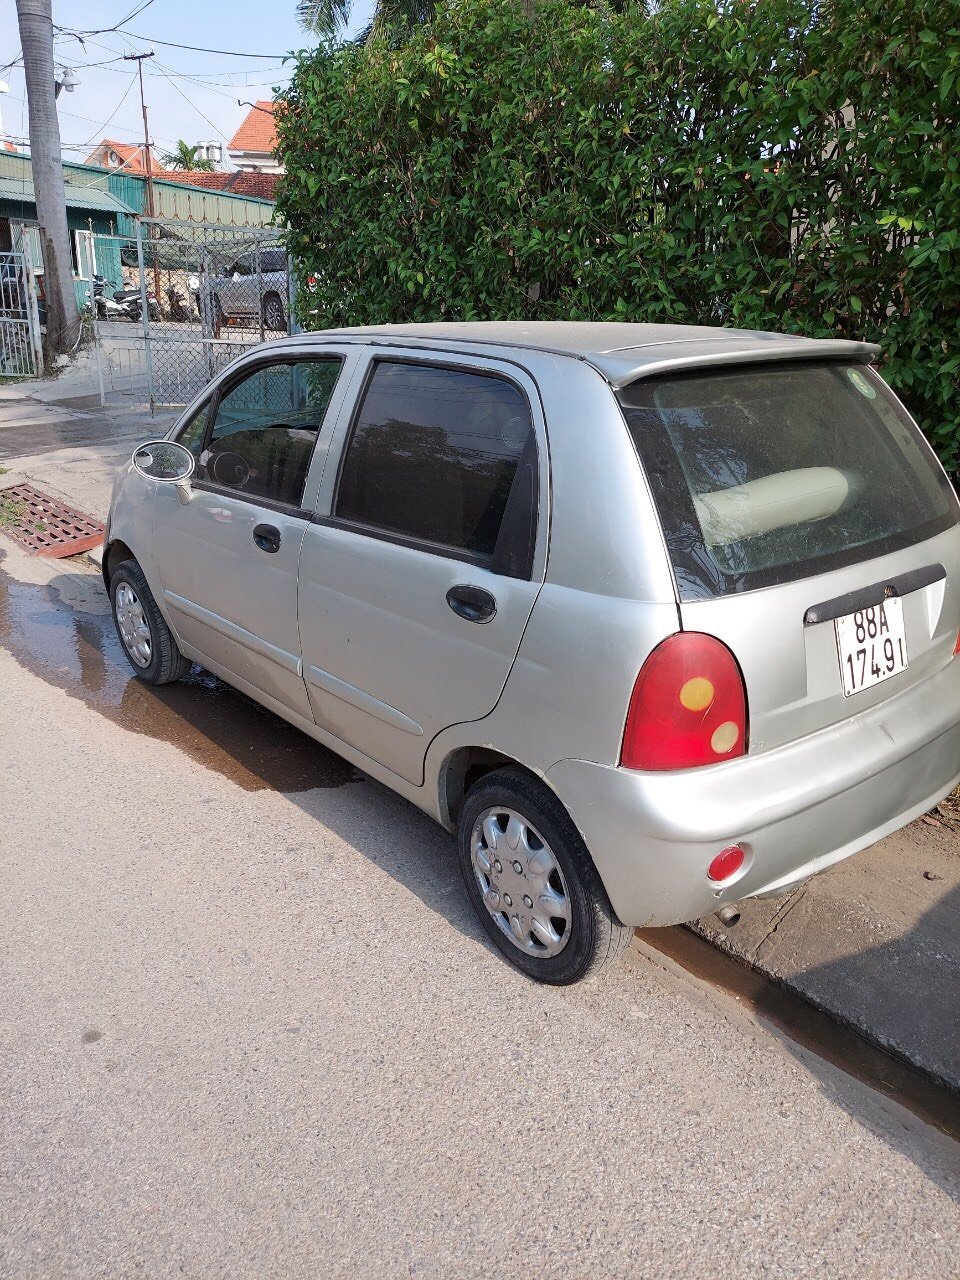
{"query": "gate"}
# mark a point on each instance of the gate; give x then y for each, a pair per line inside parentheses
(21, 352)
(196, 296)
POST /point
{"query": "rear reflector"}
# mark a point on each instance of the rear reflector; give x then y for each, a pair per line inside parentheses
(726, 863)
(688, 707)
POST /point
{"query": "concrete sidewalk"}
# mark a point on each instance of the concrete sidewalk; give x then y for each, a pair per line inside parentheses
(875, 940)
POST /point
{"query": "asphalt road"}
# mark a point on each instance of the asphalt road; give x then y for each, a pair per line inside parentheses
(249, 1028)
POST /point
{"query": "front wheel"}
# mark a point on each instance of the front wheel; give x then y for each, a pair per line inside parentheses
(147, 640)
(533, 883)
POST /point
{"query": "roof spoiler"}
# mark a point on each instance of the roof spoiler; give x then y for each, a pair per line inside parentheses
(619, 371)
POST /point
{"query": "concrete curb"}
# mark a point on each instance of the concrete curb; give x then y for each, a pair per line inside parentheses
(875, 942)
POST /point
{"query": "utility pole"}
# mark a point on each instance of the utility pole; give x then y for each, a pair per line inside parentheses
(35, 19)
(139, 58)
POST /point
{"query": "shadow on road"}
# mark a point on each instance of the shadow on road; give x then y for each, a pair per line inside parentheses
(902, 999)
(63, 632)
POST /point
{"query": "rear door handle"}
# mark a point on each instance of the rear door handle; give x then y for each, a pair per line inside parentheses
(472, 603)
(267, 537)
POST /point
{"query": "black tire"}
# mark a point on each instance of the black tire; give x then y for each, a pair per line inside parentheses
(274, 316)
(166, 662)
(219, 319)
(595, 937)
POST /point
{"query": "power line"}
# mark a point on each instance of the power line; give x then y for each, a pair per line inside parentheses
(196, 48)
(109, 119)
(100, 31)
(192, 104)
(90, 120)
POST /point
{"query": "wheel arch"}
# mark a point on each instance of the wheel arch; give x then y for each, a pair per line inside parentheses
(464, 767)
(114, 553)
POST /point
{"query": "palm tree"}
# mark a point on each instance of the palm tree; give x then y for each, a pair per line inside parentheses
(327, 18)
(186, 157)
(36, 38)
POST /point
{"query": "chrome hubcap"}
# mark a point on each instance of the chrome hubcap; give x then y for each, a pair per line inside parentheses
(133, 625)
(274, 314)
(521, 882)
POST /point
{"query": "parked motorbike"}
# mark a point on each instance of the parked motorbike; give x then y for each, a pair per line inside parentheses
(177, 306)
(122, 304)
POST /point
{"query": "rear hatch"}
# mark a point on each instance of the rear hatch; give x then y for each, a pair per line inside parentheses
(810, 528)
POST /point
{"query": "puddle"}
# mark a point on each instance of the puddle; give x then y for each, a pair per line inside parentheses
(78, 651)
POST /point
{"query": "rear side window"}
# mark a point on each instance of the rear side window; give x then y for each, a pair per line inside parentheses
(443, 456)
(272, 260)
(266, 427)
(772, 473)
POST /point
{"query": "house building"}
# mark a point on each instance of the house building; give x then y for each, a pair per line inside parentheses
(123, 155)
(107, 201)
(254, 144)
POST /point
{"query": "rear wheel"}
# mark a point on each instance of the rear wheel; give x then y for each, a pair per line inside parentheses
(274, 316)
(532, 881)
(147, 640)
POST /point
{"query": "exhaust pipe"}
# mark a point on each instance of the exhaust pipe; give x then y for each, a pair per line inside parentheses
(729, 916)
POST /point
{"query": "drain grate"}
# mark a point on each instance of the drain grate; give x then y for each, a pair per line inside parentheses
(45, 526)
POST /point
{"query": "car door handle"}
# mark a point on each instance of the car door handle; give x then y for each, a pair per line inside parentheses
(267, 537)
(472, 603)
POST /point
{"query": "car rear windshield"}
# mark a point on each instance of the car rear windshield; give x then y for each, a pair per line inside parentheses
(769, 473)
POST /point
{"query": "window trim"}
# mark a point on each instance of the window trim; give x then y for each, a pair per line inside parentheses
(442, 549)
(203, 483)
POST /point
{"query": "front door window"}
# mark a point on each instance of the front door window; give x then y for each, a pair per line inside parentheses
(265, 429)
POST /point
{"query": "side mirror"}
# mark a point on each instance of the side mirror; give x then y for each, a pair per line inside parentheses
(168, 462)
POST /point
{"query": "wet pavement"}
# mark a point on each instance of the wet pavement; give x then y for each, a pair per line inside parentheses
(31, 428)
(64, 633)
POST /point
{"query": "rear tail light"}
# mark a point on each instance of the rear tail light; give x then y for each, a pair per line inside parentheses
(956, 647)
(688, 708)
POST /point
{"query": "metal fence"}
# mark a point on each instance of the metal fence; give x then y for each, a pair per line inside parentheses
(178, 302)
(21, 353)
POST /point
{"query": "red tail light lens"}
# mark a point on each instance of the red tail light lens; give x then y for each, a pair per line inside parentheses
(956, 647)
(688, 708)
(726, 864)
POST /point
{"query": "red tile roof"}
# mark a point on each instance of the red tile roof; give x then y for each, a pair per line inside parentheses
(258, 132)
(240, 182)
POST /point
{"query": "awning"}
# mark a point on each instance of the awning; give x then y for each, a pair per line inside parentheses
(78, 197)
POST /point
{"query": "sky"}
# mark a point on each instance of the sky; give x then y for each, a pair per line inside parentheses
(190, 94)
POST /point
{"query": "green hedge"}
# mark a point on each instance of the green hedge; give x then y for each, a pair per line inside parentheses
(775, 164)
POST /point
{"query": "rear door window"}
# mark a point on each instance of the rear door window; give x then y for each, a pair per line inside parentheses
(444, 457)
(265, 429)
(772, 473)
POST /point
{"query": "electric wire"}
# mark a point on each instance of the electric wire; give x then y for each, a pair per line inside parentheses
(109, 119)
(197, 48)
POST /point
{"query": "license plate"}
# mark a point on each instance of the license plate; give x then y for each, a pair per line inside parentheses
(872, 645)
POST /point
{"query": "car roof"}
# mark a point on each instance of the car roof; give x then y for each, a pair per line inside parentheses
(621, 352)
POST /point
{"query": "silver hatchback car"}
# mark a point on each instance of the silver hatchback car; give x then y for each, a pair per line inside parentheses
(655, 617)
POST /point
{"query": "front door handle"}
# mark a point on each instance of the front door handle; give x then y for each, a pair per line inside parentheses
(267, 537)
(472, 603)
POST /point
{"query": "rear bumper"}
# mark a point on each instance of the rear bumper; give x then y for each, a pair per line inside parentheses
(794, 811)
